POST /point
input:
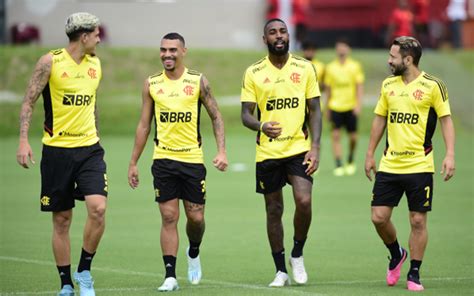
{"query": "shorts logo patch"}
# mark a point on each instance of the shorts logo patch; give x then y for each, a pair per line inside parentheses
(157, 192)
(106, 183)
(203, 186)
(261, 185)
(45, 200)
(427, 203)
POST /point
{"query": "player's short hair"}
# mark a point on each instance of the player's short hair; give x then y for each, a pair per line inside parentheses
(409, 46)
(80, 22)
(308, 44)
(343, 40)
(271, 21)
(175, 36)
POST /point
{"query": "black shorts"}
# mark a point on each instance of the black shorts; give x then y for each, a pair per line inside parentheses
(347, 119)
(272, 174)
(68, 174)
(175, 179)
(389, 188)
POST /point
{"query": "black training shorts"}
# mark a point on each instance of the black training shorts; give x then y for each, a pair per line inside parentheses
(389, 189)
(347, 119)
(272, 174)
(175, 179)
(71, 173)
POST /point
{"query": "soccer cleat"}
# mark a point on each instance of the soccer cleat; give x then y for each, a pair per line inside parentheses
(85, 282)
(67, 290)
(170, 284)
(338, 172)
(414, 284)
(299, 272)
(281, 279)
(393, 271)
(194, 269)
(350, 169)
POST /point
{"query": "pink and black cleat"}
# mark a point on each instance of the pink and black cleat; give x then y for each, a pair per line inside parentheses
(414, 284)
(394, 268)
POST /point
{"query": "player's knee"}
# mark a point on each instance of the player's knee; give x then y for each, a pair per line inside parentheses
(379, 219)
(61, 223)
(98, 213)
(196, 218)
(303, 205)
(418, 221)
(274, 210)
(169, 219)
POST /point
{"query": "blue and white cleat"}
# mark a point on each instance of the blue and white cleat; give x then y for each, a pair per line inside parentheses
(85, 282)
(194, 269)
(170, 284)
(67, 290)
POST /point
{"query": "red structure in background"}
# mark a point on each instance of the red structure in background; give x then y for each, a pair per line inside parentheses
(363, 22)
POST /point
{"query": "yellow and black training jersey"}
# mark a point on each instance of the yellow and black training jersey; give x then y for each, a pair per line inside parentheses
(343, 80)
(177, 116)
(69, 101)
(412, 111)
(280, 95)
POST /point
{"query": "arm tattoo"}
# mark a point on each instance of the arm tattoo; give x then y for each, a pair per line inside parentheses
(213, 110)
(36, 85)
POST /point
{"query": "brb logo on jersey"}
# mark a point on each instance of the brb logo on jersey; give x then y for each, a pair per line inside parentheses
(77, 100)
(401, 117)
(175, 117)
(286, 103)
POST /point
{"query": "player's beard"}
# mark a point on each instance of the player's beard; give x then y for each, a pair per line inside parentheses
(399, 69)
(277, 51)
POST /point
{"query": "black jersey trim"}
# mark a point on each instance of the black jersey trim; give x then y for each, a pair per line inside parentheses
(441, 85)
(48, 110)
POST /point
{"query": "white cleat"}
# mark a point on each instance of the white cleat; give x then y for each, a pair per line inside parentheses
(170, 284)
(299, 272)
(281, 279)
(194, 269)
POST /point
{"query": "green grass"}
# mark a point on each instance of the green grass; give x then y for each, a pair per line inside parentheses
(343, 254)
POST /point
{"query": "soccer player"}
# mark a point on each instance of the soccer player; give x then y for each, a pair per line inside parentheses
(284, 89)
(410, 103)
(343, 80)
(174, 98)
(72, 164)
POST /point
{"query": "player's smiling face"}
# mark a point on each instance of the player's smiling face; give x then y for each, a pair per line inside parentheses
(396, 61)
(277, 38)
(171, 53)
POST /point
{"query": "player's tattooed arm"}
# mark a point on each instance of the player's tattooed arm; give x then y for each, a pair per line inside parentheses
(206, 97)
(38, 81)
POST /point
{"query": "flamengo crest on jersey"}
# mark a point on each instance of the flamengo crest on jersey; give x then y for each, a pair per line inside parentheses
(412, 111)
(69, 101)
(177, 110)
(280, 95)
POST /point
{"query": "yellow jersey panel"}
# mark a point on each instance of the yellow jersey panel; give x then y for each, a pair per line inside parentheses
(280, 95)
(319, 69)
(343, 80)
(177, 110)
(69, 101)
(412, 111)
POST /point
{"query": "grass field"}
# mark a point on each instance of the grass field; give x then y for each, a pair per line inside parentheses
(343, 254)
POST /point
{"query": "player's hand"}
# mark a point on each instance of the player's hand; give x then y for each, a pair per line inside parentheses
(220, 161)
(311, 159)
(356, 111)
(133, 180)
(370, 166)
(271, 129)
(448, 168)
(24, 154)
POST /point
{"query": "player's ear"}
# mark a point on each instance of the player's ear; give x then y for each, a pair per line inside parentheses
(184, 51)
(264, 40)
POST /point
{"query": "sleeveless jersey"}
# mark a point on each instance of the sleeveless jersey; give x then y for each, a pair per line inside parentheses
(69, 101)
(177, 110)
